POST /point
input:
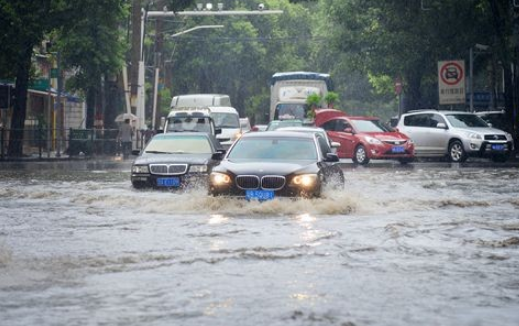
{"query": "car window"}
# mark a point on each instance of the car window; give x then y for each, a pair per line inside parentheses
(435, 119)
(418, 120)
(189, 124)
(225, 120)
(265, 149)
(463, 120)
(329, 125)
(369, 126)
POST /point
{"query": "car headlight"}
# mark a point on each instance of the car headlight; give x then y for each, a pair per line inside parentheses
(140, 169)
(305, 180)
(220, 179)
(237, 135)
(198, 169)
(474, 135)
(373, 141)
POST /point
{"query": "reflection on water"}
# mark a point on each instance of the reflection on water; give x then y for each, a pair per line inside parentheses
(426, 246)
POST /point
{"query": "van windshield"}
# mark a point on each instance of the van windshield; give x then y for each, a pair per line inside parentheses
(178, 124)
(226, 120)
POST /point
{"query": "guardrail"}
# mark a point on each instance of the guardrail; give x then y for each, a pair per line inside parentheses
(41, 143)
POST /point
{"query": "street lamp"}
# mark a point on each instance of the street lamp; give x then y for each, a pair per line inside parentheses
(156, 79)
(481, 49)
(194, 29)
(199, 11)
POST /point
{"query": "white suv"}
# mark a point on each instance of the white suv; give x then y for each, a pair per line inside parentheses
(454, 134)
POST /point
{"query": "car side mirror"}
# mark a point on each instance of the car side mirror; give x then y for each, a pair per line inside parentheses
(136, 152)
(332, 157)
(441, 125)
(218, 156)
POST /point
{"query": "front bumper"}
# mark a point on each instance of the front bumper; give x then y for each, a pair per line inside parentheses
(147, 180)
(287, 191)
(489, 148)
(387, 152)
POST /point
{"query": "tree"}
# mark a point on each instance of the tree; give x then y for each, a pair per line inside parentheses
(24, 24)
(331, 98)
(398, 38)
(95, 48)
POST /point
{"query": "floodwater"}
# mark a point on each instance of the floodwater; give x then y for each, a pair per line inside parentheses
(420, 245)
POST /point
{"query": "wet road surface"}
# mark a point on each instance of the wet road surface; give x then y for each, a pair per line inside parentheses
(424, 244)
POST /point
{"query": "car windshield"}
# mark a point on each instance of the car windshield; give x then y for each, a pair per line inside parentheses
(291, 111)
(225, 120)
(176, 124)
(273, 125)
(179, 144)
(268, 149)
(466, 121)
(369, 126)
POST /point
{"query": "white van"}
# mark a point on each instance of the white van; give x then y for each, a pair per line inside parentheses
(226, 119)
(199, 100)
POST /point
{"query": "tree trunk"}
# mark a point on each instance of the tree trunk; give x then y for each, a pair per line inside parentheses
(20, 103)
(90, 104)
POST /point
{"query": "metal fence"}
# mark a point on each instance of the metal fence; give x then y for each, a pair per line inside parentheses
(41, 143)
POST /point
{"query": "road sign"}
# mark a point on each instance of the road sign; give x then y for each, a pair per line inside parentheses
(451, 82)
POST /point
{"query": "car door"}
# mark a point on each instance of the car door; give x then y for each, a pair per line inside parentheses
(438, 136)
(335, 128)
(416, 127)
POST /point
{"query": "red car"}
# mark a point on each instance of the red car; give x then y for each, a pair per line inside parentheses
(364, 138)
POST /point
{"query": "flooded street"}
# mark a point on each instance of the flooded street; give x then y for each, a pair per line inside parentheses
(416, 245)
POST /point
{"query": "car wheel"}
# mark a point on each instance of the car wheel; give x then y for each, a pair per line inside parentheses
(500, 158)
(360, 156)
(457, 152)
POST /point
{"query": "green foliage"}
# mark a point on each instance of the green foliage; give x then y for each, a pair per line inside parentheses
(398, 38)
(331, 98)
(313, 100)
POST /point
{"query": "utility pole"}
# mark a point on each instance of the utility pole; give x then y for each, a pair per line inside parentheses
(137, 82)
(135, 53)
(158, 65)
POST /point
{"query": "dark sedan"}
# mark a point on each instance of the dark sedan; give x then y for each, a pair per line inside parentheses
(175, 160)
(273, 164)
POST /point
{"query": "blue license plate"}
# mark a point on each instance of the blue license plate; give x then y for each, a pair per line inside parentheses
(260, 195)
(498, 147)
(398, 149)
(168, 182)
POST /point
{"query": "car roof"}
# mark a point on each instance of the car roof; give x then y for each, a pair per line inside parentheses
(490, 112)
(437, 111)
(301, 128)
(229, 109)
(278, 134)
(191, 112)
(183, 134)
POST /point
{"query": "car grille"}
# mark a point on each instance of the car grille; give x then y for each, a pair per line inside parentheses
(247, 181)
(168, 169)
(395, 142)
(269, 182)
(495, 137)
(272, 182)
